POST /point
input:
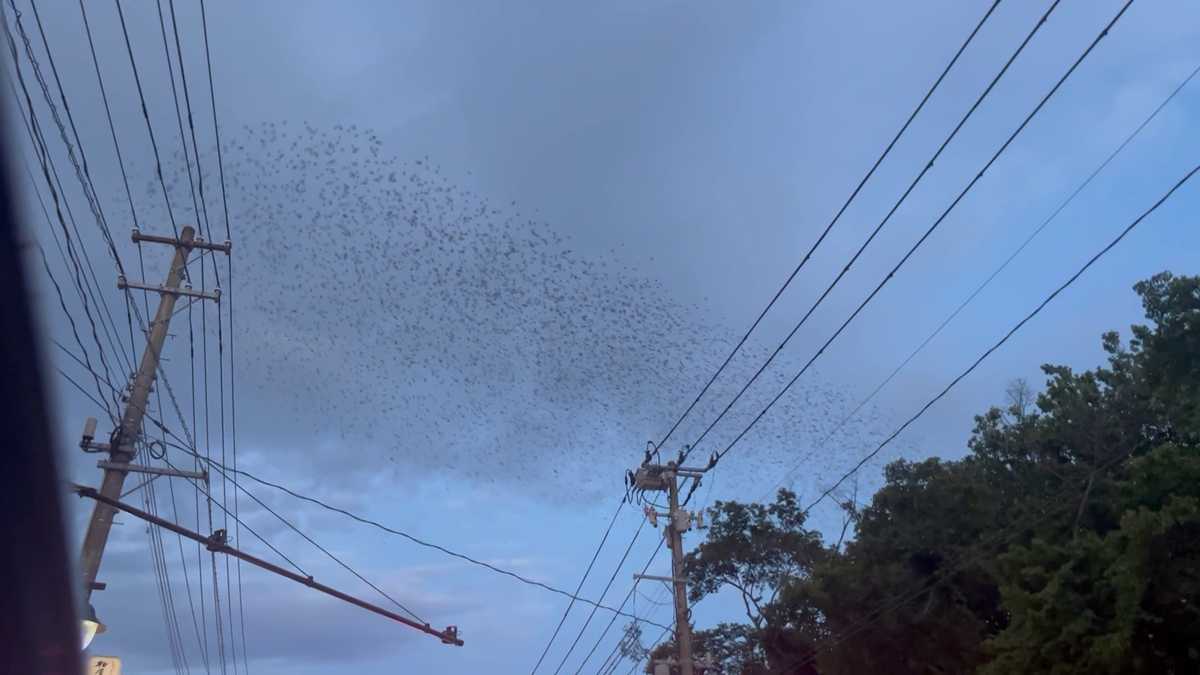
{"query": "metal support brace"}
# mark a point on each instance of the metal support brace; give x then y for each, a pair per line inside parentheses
(214, 295)
(138, 468)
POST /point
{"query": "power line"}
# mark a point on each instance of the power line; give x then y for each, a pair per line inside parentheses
(84, 175)
(988, 281)
(580, 587)
(200, 210)
(415, 540)
(1010, 333)
(882, 223)
(229, 276)
(602, 594)
(219, 543)
(47, 165)
(833, 222)
(318, 546)
(933, 227)
(623, 603)
(146, 114)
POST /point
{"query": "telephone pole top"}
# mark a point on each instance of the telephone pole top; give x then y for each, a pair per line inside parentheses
(665, 478)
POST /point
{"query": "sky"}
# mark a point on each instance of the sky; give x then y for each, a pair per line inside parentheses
(483, 253)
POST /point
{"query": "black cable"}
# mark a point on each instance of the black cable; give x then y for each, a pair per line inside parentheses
(888, 217)
(933, 227)
(988, 281)
(80, 388)
(252, 532)
(201, 636)
(229, 259)
(319, 547)
(580, 587)
(187, 99)
(130, 303)
(46, 164)
(398, 533)
(1010, 333)
(218, 619)
(163, 575)
(146, 114)
(602, 594)
(613, 620)
(837, 217)
(108, 113)
(84, 176)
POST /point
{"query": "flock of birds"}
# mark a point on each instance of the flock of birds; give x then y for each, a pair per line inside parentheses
(436, 333)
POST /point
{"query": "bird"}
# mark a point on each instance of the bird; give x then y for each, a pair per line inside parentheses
(441, 333)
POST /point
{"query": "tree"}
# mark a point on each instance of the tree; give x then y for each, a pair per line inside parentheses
(752, 548)
(1084, 499)
(1122, 602)
(733, 648)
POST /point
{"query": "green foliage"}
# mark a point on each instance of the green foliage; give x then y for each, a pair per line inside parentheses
(1067, 540)
(752, 548)
(733, 647)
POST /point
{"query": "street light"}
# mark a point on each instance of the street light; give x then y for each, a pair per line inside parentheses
(91, 625)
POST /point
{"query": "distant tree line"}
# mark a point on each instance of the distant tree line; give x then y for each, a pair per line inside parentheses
(1066, 541)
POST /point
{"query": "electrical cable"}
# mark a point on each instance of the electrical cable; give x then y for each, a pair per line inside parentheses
(623, 603)
(837, 217)
(1008, 335)
(602, 594)
(232, 369)
(146, 114)
(321, 548)
(47, 165)
(84, 176)
(174, 637)
(580, 587)
(385, 528)
(986, 282)
(933, 227)
(199, 211)
(888, 217)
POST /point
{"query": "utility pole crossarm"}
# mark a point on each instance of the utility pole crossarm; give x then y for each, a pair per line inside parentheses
(665, 478)
(217, 544)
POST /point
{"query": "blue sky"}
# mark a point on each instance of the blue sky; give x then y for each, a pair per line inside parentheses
(693, 151)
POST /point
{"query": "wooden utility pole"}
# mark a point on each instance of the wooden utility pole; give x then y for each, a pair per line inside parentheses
(122, 446)
(683, 623)
(658, 478)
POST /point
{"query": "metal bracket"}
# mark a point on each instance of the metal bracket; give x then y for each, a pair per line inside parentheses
(197, 243)
(92, 446)
(154, 470)
(657, 478)
(665, 580)
(214, 295)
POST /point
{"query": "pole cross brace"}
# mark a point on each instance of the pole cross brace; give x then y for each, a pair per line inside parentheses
(123, 283)
(196, 243)
(137, 468)
(667, 580)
